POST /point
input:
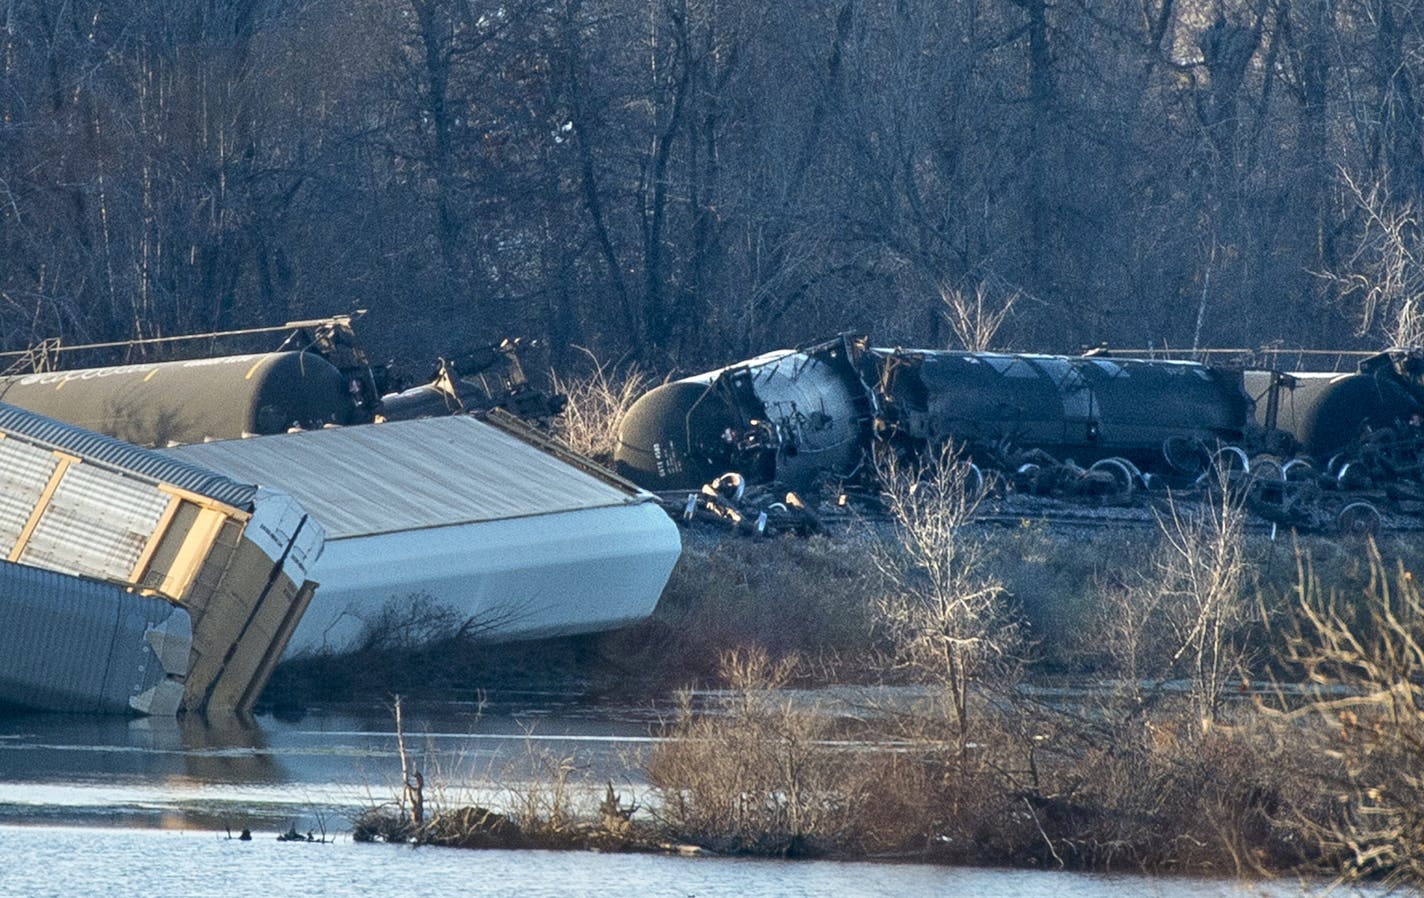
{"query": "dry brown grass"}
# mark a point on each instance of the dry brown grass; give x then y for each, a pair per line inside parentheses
(783, 596)
(595, 406)
(1158, 763)
(758, 774)
(1105, 778)
(1360, 658)
(544, 801)
(1173, 770)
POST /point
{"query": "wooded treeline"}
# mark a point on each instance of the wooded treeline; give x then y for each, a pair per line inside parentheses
(688, 182)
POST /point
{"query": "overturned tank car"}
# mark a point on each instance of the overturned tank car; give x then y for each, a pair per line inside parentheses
(1326, 414)
(319, 376)
(167, 403)
(1311, 450)
(791, 417)
(1085, 408)
(788, 416)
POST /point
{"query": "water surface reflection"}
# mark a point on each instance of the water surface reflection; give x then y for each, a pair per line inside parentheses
(61, 862)
(149, 807)
(312, 772)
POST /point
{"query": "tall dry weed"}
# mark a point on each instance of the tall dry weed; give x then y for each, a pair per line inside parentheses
(595, 406)
(757, 774)
(1360, 661)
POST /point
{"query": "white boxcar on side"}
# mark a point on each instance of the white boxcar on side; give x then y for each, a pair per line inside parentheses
(462, 514)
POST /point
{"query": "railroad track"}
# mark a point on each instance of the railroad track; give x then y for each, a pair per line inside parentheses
(763, 514)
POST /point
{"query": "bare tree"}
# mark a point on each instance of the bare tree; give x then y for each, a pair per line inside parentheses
(942, 608)
(1201, 569)
(690, 181)
(1182, 618)
(976, 320)
(1361, 660)
(1385, 273)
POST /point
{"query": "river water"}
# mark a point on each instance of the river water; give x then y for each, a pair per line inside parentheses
(154, 808)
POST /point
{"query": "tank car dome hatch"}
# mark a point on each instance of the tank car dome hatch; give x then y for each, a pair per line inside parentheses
(676, 436)
(171, 403)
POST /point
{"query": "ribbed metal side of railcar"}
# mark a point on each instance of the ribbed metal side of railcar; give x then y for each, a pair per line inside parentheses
(78, 645)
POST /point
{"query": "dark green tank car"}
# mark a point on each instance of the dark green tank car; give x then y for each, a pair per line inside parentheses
(1084, 408)
(172, 403)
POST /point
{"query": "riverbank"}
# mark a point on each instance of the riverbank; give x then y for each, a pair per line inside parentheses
(160, 798)
(812, 598)
(1070, 779)
(1242, 704)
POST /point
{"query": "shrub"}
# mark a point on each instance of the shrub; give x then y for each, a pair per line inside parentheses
(594, 407)
(942, 607)
(1360, 660)
(758, 774)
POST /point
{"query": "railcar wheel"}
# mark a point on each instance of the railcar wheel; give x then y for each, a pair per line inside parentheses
(1138, 477)
(1230, 467)
(731, 485)
(995, 483)
(1186, 455)
(1336, 462)
(1267, 467)
(973, 480)
(1122, 473)
(1352, 476)
(1231, 459)
(1029, 478)
(1298, 470)
(1358, 519)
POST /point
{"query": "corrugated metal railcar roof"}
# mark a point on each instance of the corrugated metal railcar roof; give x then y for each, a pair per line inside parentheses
(126, 457)
(409, 475)
(73, 644)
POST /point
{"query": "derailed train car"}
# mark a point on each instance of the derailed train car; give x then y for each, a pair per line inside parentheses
(136, 582)
(320, 377)
(788, 416)
(792, 417)
(486, 522)
(1084, 408)
(154, 404)
(1329, 415)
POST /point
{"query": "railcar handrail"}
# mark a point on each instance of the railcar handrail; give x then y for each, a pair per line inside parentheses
(52, 346)
(1266, 356)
